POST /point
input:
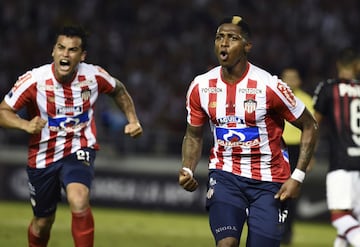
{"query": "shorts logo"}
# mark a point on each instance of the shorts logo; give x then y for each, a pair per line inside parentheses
(32, 201)
(226, 228)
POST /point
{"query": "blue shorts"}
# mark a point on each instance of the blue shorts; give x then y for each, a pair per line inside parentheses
(45, 184)
(233, 200)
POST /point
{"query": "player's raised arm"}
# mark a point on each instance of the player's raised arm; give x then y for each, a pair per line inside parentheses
(126, 104)
(9, 119)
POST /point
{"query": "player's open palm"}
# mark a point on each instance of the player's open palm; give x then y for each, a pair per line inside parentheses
(35, 125)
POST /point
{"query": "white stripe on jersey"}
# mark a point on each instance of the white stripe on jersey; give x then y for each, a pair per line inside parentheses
(247, 138)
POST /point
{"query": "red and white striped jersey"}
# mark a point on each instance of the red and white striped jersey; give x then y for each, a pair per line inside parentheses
(247, 121)
(68, 109)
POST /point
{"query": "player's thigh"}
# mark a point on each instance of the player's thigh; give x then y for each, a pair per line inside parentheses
(267, 215)
(78, 167)
(339, 190)
(45, 189)
(226, 220)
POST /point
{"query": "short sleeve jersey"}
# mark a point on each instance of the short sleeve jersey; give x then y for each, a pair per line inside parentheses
(339, 101)
(67, 108)
(247, 120)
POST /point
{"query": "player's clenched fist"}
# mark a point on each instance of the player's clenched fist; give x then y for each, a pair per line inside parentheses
(35, 125)
(187, 180)
(133, 129)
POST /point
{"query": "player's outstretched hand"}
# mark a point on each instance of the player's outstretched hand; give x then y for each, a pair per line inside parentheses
(187, 181)
(290, 189)
(133, 129)
(35, 125)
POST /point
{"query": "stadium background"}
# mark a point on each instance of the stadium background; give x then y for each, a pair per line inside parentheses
(156, 48)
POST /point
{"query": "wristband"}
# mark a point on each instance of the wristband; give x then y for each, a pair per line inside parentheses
(188, 170)
(298, 175)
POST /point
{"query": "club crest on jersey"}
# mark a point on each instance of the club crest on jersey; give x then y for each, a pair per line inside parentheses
(250, 105)
(237, 137)
(85, 94)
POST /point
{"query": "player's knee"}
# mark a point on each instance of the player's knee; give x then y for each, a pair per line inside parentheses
(42, 226)
(228, 242)
(78, 197)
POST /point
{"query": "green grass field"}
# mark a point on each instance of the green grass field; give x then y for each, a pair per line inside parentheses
(132, 228)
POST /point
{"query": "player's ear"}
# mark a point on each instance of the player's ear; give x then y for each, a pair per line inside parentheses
(83, 56)
(248, 47)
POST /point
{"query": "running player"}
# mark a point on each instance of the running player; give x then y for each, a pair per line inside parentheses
(60, 99)
(249, 171)
(338, 101)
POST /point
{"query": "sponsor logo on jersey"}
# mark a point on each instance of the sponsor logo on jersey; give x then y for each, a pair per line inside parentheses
(288, 94)
(250, 105)
(84, 83)
(250, 90)
(68, 124)
(211, 90)
(349, 90)
(21, 81)
(230, 119)
(238, 137)
(69, 109)
(212, 104)
(49, 87)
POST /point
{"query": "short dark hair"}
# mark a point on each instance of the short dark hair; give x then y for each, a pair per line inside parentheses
(347, 56)
(238, 20)
(75, 31)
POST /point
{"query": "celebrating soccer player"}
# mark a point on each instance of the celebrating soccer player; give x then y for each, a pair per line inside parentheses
(60, 98)
(249, 171)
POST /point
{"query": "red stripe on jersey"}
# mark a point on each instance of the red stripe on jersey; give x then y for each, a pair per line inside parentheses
(34, 139)
(103, 85)
(51, 110)
(250, 119)
(86, 107)
(212, 106)
(275, 126)
(197, 116)
(212, 101)
(231, 111)
(337, 110)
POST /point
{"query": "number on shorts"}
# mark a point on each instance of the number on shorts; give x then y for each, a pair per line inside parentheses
(83, 155)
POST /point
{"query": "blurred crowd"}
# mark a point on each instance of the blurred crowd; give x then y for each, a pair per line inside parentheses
(157, 47)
